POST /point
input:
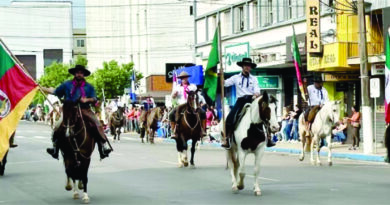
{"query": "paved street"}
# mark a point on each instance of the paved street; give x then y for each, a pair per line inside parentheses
(147, 174)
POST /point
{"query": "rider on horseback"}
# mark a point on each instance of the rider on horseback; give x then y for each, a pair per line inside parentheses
(180, 94)
(247, 88)
(318, 95)
(74, 90)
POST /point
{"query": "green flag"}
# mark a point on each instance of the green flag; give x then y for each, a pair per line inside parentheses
(211, 77)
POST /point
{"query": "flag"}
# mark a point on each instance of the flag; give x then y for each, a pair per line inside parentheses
(211, 77)
(297, 64)
(133, 97)
(387, 79)
(17, 90)
(174, 85)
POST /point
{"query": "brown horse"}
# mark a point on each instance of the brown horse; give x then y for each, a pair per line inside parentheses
(188, 128)
(55, 116)
(76, 146)
(154, 115)
(117, 121)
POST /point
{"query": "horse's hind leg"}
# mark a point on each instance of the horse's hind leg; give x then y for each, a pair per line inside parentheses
(85, 198)
(76, 194)
(194, 142)
(302, 157)
(241, 169)
(318, 141)
(233, 165)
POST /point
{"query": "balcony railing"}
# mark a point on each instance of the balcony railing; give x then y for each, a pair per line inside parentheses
(372, 49)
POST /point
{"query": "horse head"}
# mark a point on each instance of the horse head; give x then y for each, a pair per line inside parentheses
(267, 111)
(71, 114)
(332, 109)
(192, 99)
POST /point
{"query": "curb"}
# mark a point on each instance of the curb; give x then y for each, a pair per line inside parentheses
(351, 156)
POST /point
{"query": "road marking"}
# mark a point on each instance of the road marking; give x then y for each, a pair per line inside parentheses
(40, 137)
(269, 179)
(29, 162)
(168, 162)
(21, 137)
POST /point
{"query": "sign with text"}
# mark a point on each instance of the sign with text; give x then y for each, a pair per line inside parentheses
(269, 82)
(375, 88)
(235, 53)
(313, 34)
(169, 67)
(341, 77)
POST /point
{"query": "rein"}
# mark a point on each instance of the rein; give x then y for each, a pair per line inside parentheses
(186, 121)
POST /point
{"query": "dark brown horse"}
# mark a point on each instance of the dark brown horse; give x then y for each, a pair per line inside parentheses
(117, 121)
(76, 146)
(188, 128)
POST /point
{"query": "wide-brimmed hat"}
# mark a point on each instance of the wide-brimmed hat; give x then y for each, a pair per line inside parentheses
(317, 78)
(246, 61)
(79, 67)
(184, 75)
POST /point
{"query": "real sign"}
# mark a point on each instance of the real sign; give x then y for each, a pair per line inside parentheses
(235, 53)
(375, 90)
(313, 34)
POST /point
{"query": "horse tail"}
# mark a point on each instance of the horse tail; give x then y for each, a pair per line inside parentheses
(387, 142)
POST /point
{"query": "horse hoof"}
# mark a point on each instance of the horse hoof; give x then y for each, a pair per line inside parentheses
(81, 185)
(301, 159)
(192, 166)
(330, 163)
(240, 187)
(76, 195)
(180, 165)
(257, 193)
(313, 162)
(68, 187)
(186, 164)
(85, 199)
(235, 190)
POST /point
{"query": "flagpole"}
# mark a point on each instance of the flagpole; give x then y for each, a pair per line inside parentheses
(222, 79)
(16, 60)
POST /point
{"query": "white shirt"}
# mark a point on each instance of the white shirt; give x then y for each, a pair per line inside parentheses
(243, 87)
(113, 106)
(315, 95)
(180, 93)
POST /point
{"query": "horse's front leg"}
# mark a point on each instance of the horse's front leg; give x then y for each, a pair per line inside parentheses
(194, 142)
(241, 169)
(233, 165)
(258, 157)
(85, 198)
(302, 157)
(151, 136)
(313, 140)
(329, 140)
(318, 140)
(76, 194)
(68, 185)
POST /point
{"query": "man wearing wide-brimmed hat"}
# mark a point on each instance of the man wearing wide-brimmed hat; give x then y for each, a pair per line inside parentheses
(179, 93)
(247, 87)
(318, 95)
(78, 90)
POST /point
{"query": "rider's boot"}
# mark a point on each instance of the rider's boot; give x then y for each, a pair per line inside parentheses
(204, 133)
(173, 130)
(226, 141)
(270, 142)
(53, 151)
(104, 150)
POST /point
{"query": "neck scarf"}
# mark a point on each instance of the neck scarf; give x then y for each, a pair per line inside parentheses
(78, 85)
(247, 80)
(185, 87)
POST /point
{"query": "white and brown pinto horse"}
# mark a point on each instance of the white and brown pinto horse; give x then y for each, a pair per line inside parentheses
(321, 128)
(250, 137)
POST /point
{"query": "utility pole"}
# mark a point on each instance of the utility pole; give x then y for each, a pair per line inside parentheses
(367, 118)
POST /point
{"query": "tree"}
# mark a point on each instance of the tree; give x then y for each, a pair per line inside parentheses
(113, 78)
(81, 60)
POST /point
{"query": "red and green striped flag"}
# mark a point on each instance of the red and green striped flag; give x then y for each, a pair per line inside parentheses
(298, 64)
(17, 90)
(387, 79)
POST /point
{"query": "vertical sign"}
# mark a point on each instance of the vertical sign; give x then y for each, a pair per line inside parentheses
(313, 34)
(235, 53)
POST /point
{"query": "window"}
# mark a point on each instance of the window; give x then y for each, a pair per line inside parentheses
(289, 9)
(80, 43)
(267, 16)
(239, 19)
(212, 24)
(201, 30)
(52, 55)
(226, 23)
(255, 15)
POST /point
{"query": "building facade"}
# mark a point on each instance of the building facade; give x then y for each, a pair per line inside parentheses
(38, 33)
(79, 43)
(150, 33)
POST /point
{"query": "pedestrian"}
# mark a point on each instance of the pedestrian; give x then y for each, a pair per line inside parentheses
(78, 90)
(355, 122)
(130, 119)
(295, 116)
(339, 131)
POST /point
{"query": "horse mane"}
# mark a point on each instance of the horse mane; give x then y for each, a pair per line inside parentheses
(273, 99)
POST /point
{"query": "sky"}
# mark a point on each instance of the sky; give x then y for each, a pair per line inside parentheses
(78, 10)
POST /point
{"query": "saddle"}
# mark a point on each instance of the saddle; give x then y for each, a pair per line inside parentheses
(240, 115)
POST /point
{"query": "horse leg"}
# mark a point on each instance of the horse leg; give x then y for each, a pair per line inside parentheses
(241, 169)
(233, 165)
(194, 143)
(312, 151)
(318, 161)
(76, 194)
(302, 157)
(258, 157)
(179, 148)
(85, 198)
(151, 136)
(68, 185)
(328, 140)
